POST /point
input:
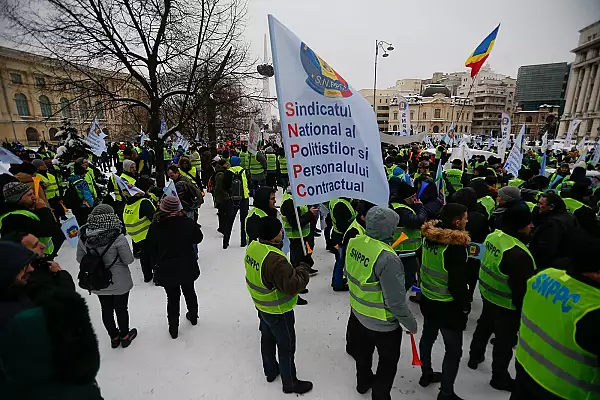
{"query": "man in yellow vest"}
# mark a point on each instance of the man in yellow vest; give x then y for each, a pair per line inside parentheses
(282, 169)
(412, 215)
(271, 169)
(506, 266)
(378, 303)
(258, 168)
(455, 175)
(137, 217)
(236, 183)
(445, 301)
(558, 351)
(22, 211)
(342, 215)
(274, 284)
(51, 188)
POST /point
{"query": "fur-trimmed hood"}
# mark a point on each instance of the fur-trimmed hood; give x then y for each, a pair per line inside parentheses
(432, 231)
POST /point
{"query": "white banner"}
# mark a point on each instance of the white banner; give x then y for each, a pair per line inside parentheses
(126, 186)
(7, 156)
(582, 156)
(505, 129)
(545, 142)
(515, 157)
(95, 138)
(427, 141)
(572, 128)
(596, 156)
(163, 128)
(581, 144)
(253, 137)
(330, 132)
(170, 190)
(400, 140)
(404, 111)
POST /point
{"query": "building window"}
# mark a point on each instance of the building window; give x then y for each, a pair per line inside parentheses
(424, 115)
(65, 107)
(422, 128)
(32, 134)
(437, 113)
(40, 82)
(22, 105)
(436, 129)
(99, 106)
(379, 101)
(395, 115)
(448, 116)
(395, 128)
(386, 101)
(16, 78)
(412, 115)
(467, 115)
(466, 129)
(528, 119)
(45, 106)
(52, 133)
(83, 110)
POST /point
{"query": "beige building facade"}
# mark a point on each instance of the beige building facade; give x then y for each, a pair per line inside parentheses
(583, 90)
(33, 103)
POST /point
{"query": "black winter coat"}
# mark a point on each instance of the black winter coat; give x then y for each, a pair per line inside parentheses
(549, 243)
(170, 244)
(261, 201)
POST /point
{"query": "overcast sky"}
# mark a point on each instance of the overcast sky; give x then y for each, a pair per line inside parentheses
(428, 35)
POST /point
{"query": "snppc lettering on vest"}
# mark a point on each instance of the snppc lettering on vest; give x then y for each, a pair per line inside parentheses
(492, 249)
(360, 257)
(547, 286)
(252, 262)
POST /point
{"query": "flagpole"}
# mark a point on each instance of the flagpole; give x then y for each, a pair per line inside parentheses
(465, 101)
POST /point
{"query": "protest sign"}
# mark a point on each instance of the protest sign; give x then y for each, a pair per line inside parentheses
(572, 128)
(124, 186)
(7, 157)
(515, 157)
(253, 137)
(505, 128)
(70, 228)
(95, 139)
(330, 133)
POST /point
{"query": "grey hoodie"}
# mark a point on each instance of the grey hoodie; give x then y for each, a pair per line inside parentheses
(389, 271)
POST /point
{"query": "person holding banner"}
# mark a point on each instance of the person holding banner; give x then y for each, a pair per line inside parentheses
(378, 303)
(445, 301)
(342, 215)
(274, 283)
(505, 269)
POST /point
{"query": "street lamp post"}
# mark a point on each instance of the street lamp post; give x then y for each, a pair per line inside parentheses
(379, 44)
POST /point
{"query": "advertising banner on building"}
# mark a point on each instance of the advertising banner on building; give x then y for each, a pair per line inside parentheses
(404, 116)
(330, 133)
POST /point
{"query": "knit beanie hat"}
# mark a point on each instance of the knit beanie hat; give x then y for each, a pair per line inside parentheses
(269, 228)
(14, 258)
(516, 217)
(127, 165)
(37, 163)
(509, 193)
(170, 204)
(14, 191)
(404, 190)
(103, 218)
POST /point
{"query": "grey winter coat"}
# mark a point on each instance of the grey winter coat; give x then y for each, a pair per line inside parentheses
(119, 250)
(389, 271)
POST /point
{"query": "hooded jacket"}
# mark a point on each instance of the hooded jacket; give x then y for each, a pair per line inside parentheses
(454, 314)
(219, 190)
(261, 201)
(389, 271)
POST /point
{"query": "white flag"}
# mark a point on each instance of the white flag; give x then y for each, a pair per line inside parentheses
(596, 156)
(572, 128)
(581, 144)
(404, 110)
(515, 157)
(126, 187)
(163, 128)
(95, 138)
(582, 156)
(170, 190)
(505, 128)
(427, 141)
(545, 142)
(253, 137)
(330, 132)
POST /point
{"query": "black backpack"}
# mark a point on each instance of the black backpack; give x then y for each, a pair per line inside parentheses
(237, 187)
(93, 274)
(71, 198)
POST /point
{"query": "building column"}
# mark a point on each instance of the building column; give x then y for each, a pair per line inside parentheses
(572, 86)
(582, 92)
(595, 90)
(595, 126)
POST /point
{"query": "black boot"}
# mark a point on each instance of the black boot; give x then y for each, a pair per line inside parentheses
(430, 377)
(300, 387)
(193, 320)
(301, 301)
(342, 288)
(271, 378)
(474, 362)
(448, 396)
(507, 383)
(126, 341)
(115, 342)
(174, 331)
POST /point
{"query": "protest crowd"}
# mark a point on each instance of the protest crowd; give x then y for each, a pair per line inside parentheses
(524, 240)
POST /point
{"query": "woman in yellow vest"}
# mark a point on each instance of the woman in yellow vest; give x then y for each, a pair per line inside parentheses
(274, 284)
(558, 352)
(506, 266)
(445, 301)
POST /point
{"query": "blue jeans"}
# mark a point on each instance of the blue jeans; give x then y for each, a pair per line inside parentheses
(278, 333)
(338, 269)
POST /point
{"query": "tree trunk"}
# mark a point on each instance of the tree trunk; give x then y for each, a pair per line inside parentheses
(158, 148)
(211, 113)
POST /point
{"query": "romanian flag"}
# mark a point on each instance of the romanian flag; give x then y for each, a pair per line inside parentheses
(482, 52)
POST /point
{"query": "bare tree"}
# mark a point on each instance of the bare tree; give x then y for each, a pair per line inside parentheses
(141, 44)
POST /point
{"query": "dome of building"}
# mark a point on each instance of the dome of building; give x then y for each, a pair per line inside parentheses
(432, 89)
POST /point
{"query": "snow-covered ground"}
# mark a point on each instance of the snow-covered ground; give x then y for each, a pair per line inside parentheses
(220, 357)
